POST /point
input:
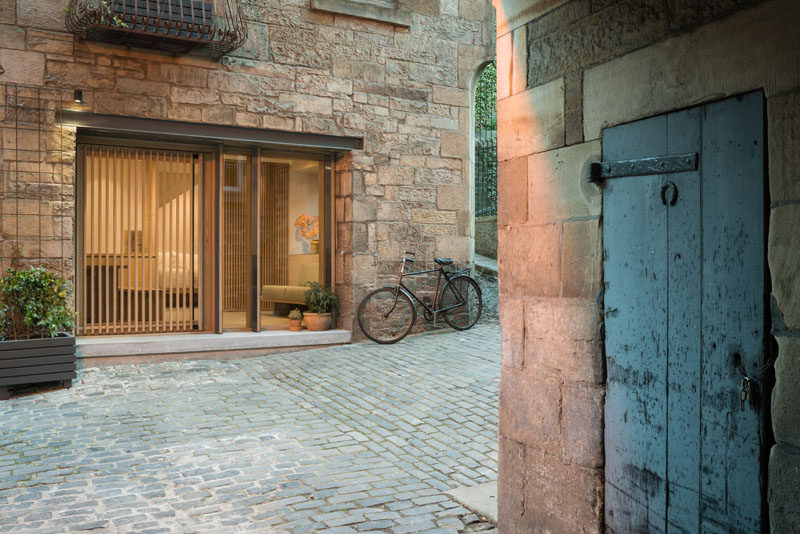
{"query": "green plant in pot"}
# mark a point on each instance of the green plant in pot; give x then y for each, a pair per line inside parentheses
(322, 302)
(295, 320)
(35, 320)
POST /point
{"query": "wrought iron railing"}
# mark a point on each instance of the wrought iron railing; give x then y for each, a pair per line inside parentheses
(198, 27)
(486, 143)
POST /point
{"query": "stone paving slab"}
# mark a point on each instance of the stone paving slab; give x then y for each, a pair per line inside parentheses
(350, 439)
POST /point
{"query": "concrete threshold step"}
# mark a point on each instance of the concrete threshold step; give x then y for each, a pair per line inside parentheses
(481, 499)
(119, 346)
(485, 264)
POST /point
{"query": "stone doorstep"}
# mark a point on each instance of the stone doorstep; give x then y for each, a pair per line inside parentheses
(165, 344)
(485, 264)
(481, 499)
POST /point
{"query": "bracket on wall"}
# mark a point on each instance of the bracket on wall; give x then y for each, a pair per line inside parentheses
(600, 171)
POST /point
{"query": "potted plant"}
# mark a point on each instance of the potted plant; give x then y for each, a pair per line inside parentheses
(321, 302)
(295, 320)
(35, 320)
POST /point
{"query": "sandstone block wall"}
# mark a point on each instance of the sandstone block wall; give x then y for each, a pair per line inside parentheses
(403, 85)
(486, 236)
(566, 70)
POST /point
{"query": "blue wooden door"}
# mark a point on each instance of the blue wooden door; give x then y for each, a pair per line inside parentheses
(684, 263)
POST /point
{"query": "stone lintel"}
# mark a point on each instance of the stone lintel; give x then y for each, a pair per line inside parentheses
(398, 17)
(512, 14)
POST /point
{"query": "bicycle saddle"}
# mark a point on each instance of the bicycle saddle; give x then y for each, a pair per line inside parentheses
(443, 261)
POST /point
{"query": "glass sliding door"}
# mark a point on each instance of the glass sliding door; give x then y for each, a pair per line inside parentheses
(292, 234)
(138, 241)
(237, 282)
(158, 251)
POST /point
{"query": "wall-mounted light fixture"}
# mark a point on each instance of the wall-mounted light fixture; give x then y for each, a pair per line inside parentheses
(78, 96)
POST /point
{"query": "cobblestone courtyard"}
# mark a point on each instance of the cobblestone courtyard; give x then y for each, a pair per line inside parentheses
(348, 439)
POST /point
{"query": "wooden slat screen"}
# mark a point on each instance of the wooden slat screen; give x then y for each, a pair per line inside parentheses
(274, 226)
(140, 272)
(236, 237)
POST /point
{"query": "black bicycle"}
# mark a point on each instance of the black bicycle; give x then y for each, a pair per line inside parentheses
(387, 314)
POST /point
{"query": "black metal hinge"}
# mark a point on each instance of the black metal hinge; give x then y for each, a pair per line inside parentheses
(642, 167)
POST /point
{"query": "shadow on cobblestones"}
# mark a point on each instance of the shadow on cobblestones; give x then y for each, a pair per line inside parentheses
(346, 439)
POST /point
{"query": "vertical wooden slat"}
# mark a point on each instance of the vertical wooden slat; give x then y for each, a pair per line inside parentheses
(103, 216)
(133, 273)
(113, 181)
(188, 235)
(95, 233)
(158, 231)
(165, 241)
(127, 246)
(151, 196)
(174, 271)
(142, 211)
(87, 239)
(179, 264)
(150, 251)
(88, 206)
(184, 259)
(169, 246)
(173, 240)
(186, 223)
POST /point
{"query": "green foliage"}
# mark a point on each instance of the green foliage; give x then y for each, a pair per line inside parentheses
(103, 9)
(486, 142)
(295, 314)
(320, 299)
(33, 303)
(486, 99)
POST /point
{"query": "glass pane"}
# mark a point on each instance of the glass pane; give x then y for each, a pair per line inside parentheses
(140, 221)
(292, 235)
(236, 210)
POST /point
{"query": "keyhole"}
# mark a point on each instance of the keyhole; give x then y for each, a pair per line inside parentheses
(672, 189)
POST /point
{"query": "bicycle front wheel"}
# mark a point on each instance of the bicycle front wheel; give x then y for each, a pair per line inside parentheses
(463, 296)
(386, 316)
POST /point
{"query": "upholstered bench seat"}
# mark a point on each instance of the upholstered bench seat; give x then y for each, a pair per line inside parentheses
(287, 294)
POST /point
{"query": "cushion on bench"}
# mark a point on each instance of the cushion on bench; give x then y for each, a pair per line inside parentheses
(291, 294)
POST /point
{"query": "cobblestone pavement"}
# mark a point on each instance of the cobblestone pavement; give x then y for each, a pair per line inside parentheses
(490, 294)
(347, 439)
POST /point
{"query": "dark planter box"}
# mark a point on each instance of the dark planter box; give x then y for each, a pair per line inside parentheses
(27, 361)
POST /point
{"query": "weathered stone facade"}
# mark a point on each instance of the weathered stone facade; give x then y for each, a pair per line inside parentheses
(567, 69)
(402, 83)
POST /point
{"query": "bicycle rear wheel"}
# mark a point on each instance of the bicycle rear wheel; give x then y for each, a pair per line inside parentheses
(385, 316)
(463, 294)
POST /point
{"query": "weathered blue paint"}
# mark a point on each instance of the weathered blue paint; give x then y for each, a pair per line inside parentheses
(684, 290)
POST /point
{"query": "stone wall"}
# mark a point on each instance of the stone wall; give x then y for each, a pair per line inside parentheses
(566, 70)
(486, 236)
(36, 180)
(402, 85)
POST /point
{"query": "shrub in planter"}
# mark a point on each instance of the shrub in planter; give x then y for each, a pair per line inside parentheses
(321, 302)
(295, 320)
(35, 320)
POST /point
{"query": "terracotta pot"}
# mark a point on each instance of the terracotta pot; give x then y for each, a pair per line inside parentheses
(317, 321)
(295, 325)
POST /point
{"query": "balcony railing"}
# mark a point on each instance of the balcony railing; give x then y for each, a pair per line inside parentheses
(210, 28)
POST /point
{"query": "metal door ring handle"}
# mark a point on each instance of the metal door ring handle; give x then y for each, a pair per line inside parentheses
(673, 199)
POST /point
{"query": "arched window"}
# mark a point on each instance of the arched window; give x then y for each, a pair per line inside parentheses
(486, 143)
